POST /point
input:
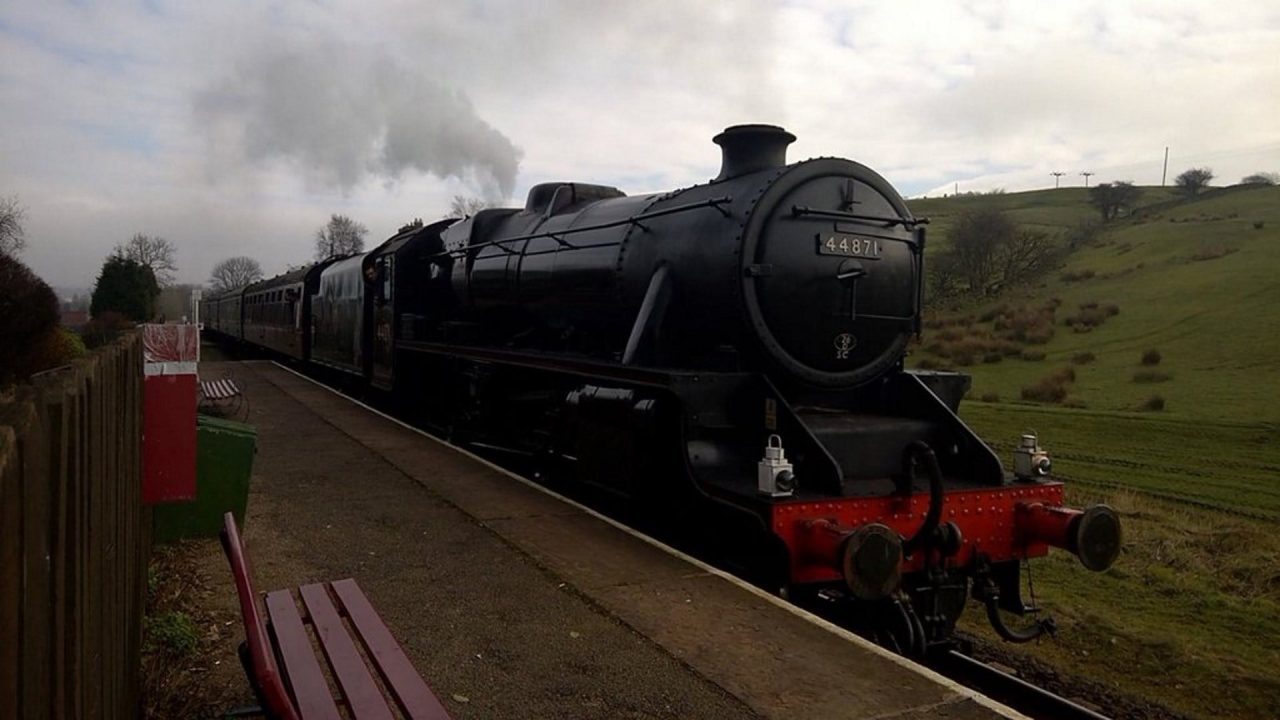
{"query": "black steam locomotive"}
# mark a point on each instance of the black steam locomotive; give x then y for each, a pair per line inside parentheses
(724, 360)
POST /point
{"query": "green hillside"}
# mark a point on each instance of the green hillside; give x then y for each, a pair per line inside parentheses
(1196, 280)
(1191, 605)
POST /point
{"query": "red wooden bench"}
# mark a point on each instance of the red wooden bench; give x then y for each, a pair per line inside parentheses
(291, 679)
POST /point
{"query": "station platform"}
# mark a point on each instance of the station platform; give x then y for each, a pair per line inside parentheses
(516, 603)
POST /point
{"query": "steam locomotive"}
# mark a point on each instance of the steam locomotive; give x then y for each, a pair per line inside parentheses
(724, 360)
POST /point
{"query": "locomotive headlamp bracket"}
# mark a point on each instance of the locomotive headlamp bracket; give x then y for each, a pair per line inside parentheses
(1030, 461)
(775, 476)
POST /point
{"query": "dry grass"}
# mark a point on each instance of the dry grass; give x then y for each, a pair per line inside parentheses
(181, 635)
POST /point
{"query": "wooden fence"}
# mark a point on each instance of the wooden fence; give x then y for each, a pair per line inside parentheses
(74, 540)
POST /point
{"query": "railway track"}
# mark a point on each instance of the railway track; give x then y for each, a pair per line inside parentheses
(1023, 696)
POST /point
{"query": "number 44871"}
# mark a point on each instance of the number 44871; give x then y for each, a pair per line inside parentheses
(850, 245)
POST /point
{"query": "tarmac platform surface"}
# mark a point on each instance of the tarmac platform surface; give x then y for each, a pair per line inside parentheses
(515, 603)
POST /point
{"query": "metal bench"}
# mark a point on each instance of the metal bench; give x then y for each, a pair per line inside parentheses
(291, 678)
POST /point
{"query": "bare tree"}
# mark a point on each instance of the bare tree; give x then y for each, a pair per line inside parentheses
(461, 206)
(234, 273)
(1261, 178)
(989, 251)
(153, 251)
(1194, 180)
(1111, 198)
(415, 224)
(12, 236)
(1023, 254)
(341, 236)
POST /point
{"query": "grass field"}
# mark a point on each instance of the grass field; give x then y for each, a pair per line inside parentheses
(1215, 321)
(1190, 615)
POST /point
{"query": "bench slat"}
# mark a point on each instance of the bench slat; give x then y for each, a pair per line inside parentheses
(265, 673)
(361, 691)
(219, 389)
(310, 689)
(410, 690)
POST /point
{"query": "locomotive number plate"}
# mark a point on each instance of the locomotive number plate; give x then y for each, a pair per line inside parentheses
(849, 246)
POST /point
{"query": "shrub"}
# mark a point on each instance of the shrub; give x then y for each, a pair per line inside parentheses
(1259, 224)
(992, 357)
(1151, 376)
(1212, 253)
(1076, 276)
(1008, 348)
(1033, 325)
(104, 328)
(1083, 358)
(1091, 315)
(1032, 355)
(55, 348)
(1052, 387)
(1045, 392)
(990, 397)
(950, 335)
(1075, 403)
(963, 358)
(1151, 357)
(993, 313)
(1155, 403)
(1039, 335)
(929, 364)
(28, 314)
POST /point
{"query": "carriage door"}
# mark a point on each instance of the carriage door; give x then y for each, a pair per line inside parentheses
(383, 321)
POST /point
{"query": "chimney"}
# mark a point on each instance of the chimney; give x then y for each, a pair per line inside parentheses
(751, 148)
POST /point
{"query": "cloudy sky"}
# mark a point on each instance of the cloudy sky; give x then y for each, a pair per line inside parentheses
(237, 127)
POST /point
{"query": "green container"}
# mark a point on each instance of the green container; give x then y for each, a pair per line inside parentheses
(224, 463)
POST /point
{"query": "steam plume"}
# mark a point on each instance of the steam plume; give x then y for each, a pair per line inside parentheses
(341, 115)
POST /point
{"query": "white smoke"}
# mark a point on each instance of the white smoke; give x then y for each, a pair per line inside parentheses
(341, 114)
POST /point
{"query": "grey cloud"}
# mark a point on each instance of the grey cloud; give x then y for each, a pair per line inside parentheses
(342, 113)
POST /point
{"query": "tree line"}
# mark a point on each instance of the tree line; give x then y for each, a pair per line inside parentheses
(136, 271)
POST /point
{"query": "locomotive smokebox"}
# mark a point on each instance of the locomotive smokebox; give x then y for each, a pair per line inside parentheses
(751, 148)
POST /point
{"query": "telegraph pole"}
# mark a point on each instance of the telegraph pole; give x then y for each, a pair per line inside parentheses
(1086, 177)
(1165, 172)
(1056, 177)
